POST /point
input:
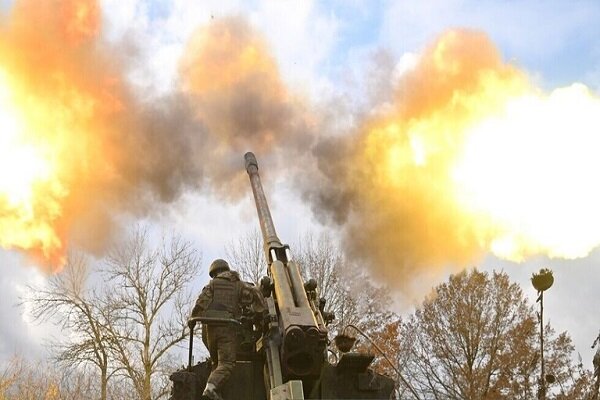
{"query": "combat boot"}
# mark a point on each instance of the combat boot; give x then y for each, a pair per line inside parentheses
(210, 392)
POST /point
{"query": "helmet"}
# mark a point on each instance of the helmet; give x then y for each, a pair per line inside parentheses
(217, 267)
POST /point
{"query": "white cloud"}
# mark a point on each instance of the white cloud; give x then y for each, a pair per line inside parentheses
(19, 335)
(301, 38)
(408, 61)
(298, 34)
(532, 34)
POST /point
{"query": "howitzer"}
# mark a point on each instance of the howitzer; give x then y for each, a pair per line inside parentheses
(288, 357)
(296, 341)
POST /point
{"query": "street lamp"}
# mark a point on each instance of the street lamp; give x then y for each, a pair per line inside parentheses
(542, 281)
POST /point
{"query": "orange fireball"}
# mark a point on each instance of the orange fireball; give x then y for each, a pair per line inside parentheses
(56, 100)
(472, 158)
(30, 192)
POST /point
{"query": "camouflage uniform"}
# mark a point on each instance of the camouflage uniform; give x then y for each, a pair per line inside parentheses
(226, 293)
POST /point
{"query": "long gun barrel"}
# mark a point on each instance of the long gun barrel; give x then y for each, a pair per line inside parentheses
(301, 334)
(267, 228)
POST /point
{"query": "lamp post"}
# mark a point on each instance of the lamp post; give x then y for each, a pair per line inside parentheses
(542, 281)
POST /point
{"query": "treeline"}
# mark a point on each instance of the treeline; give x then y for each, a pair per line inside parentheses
(122, 318)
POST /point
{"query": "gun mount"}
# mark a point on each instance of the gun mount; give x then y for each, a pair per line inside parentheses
(289, 358)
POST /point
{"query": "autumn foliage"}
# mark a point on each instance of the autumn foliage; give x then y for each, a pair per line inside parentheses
(477, 337)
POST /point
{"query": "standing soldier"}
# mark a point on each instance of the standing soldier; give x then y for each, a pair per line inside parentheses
(228, 296)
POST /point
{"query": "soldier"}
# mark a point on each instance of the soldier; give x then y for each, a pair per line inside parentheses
(227, 294)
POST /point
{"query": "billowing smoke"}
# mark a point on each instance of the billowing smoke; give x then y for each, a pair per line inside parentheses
(239, 96)
(80, 148)
(469, 158)
(466, 158)
(102, 151)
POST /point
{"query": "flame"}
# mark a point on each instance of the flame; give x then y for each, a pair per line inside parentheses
(52, 105)
(80, 146)
(531, 170)
(29, 190)
(475, 158)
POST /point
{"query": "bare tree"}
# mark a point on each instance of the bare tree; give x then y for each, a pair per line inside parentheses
(349, 291)
(321, 260)
(149, 307)
(68, 300)
(247, 256)
(123, 327)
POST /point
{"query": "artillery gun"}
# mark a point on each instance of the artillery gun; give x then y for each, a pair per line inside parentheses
(286, 358)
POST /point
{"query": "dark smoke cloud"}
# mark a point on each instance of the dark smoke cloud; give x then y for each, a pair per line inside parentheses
(397, 215)
(119, 154)
(126, 155)
(238, 94)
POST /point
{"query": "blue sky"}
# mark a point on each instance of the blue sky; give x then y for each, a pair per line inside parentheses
(553, 39)
(325, 49)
